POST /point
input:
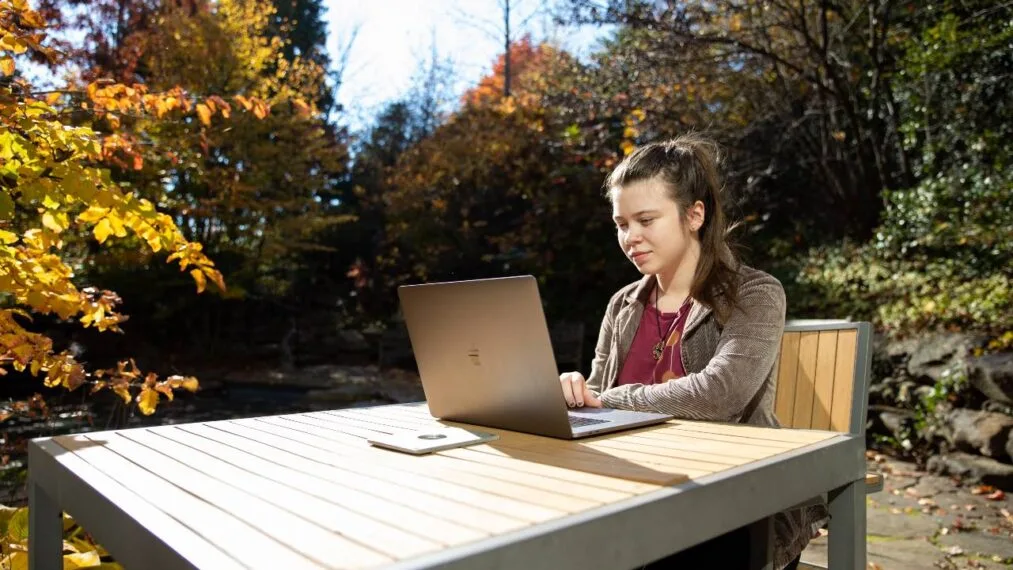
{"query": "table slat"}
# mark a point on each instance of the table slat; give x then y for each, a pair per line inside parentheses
(317, 543)
(371, 482)
(370, 528)
(217, 527)
(433, 481)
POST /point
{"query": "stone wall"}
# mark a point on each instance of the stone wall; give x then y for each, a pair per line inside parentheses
(942, 400)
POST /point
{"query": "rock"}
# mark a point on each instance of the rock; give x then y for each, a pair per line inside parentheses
(999, 407)
(934, 353)
(986, 433)
(890, 421)
(973, 468)
(992, 375)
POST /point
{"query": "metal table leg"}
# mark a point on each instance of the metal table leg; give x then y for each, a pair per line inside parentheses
(846, 548)
(45, 530)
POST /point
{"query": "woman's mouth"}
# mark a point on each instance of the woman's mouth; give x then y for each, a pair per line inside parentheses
(639, 256)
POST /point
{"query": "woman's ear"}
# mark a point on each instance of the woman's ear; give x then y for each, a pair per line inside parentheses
(696, 215)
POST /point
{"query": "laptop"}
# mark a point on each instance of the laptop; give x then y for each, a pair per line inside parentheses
(485, 358)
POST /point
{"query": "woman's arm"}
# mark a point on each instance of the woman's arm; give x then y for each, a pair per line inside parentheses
(742, 361)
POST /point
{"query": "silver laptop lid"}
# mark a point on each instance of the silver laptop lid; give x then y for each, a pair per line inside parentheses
(484, 354)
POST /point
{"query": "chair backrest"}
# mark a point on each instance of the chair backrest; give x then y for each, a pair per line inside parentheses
(822, 375)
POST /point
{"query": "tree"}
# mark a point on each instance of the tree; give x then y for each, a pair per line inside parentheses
(255, 191)
(941, 255)
(816, 127)
(507, 32)
(56, 189)
(301, 23)
(498, 189)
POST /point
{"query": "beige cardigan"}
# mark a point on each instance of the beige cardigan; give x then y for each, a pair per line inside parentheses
(729, 373)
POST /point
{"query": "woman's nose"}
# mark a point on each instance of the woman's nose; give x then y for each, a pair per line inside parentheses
(632, 237)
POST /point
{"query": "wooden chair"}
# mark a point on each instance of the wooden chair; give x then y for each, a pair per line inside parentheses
(822, 377)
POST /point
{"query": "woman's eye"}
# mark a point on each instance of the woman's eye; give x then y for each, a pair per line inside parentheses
(621, 227)
(646, 221)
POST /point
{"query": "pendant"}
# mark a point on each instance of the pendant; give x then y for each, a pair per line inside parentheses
(657, 350)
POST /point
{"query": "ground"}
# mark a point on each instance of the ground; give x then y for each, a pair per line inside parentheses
(921, 521)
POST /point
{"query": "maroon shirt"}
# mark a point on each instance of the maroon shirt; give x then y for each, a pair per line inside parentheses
(640, 367)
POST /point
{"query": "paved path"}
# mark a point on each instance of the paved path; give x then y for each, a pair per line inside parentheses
(921, 521)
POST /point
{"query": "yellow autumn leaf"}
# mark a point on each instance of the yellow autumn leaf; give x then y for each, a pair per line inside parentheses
(53, 98)
(627, 147)
(33, 19)
(198, 276)
(93, 214)
(260, 109)
(188, 383)
(147, 401)
(8, 237)
(51, 222)
(204, 113)
(102, 230)
(117, 224)
(17, 526)
(301, 107)
(123, 392)
(216, 277)
(7, 65)
(80, 560)
(17, 560)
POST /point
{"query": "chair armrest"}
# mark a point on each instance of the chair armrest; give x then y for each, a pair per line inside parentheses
(873, 483)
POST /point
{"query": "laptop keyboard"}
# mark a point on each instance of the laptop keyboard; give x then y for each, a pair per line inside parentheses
(581, 421)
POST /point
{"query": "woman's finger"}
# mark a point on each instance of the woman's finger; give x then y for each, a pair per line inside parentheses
(577, 387)
(567, 385)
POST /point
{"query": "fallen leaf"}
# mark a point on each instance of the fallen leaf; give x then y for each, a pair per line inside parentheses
(954, 550)
(982, 489)
(998, 495)
(944, 531)
(927, 502)
(873, 566)
(969, 507)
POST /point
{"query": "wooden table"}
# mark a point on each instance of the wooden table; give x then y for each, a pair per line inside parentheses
(305, 491)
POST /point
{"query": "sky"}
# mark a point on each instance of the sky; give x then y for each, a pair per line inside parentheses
(396, 37)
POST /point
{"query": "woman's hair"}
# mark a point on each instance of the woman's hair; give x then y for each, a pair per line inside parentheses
(689, 168)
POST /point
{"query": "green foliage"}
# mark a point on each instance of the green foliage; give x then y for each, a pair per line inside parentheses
(941, 255)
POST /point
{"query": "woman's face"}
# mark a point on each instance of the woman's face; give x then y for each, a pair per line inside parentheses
(650, 230)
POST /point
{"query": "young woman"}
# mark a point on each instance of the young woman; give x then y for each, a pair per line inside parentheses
(698, 335)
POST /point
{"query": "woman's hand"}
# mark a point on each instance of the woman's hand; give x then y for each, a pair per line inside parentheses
(576, 392)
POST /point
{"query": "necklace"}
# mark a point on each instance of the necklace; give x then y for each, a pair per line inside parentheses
(659, 348)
